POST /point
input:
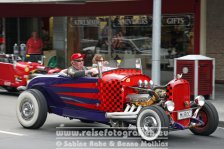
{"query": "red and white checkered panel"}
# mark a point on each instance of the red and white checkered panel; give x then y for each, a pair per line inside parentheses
(169, 92)
(111, 96)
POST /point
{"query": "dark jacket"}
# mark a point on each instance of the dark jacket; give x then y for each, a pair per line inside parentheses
(73, 72)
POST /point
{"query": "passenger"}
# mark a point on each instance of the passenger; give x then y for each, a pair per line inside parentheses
(97, 58)
(78, 69)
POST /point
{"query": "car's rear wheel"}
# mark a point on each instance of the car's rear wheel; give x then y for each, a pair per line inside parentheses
(209, 115)
(31, 109)
(152, 121)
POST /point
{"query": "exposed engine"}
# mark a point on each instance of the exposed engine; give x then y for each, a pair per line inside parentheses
(147, 98)
(161, 93)
(141, 99)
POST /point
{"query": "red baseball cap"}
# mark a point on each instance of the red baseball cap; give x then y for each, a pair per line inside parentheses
(77, 55)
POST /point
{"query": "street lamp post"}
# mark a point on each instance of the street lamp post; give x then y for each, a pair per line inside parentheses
(156, 41)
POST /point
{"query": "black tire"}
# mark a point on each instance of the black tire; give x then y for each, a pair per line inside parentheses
(154, 113)
(211, 120)
(35, 103)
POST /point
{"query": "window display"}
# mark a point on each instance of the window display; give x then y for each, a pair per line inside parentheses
(131, 36)
(2, 38)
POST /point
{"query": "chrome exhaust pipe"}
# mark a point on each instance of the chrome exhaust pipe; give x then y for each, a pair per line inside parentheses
(132, 109)
(127, 108)
(124, 115)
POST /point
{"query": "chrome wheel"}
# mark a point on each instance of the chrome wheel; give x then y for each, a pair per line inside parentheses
(150, 125)
(27, 109)
(31, 109)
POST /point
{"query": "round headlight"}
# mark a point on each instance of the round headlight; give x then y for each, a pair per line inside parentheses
(140, 83)
(151, 84)
(199, 100)
(169, 105)
(146, 83)
(26, 69)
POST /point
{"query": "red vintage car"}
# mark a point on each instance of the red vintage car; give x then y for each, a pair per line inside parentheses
(15, 73)
(120, 95)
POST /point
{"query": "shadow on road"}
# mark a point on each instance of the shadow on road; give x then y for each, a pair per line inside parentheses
(9, 93)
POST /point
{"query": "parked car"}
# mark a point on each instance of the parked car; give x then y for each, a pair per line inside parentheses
(140, 45)
(119, 96)
(15, 73)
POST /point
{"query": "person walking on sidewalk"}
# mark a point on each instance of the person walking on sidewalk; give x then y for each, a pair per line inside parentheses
(34, 47)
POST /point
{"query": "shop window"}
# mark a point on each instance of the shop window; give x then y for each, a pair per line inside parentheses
(131, 36)
(2, 36)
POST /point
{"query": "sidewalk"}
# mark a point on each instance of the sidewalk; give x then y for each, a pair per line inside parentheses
(218, 102)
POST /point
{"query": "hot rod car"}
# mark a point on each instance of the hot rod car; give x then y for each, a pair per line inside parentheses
(15, 73)
(119, 96)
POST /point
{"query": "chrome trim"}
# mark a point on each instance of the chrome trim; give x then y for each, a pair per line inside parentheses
(131, 114)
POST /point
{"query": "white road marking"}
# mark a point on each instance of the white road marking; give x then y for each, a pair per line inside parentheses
(12, 133)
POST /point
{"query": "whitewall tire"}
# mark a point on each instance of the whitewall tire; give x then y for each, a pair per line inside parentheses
(152, 121)
(31, 109)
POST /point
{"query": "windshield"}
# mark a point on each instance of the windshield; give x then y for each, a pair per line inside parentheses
(122, 63)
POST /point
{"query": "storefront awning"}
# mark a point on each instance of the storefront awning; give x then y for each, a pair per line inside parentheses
(37, 8)
(59, 1)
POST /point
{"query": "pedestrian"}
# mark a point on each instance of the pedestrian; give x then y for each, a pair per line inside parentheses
(34, 47)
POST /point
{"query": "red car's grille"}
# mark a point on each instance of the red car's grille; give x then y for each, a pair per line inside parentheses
(180, 95)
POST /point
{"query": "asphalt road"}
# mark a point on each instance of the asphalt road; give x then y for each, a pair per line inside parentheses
(13, 136)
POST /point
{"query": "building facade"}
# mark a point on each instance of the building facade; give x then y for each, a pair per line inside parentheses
(215, 36)
(120, 30)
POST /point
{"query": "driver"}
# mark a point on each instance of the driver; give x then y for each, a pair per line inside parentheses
(78, 69)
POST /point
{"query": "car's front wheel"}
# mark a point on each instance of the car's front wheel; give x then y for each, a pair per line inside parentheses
(31, 109)
(209, 115)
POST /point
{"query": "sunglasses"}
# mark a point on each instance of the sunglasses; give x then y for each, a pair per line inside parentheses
(81, 60)
(99, 60)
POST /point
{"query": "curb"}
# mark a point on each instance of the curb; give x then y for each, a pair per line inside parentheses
(221, 124)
